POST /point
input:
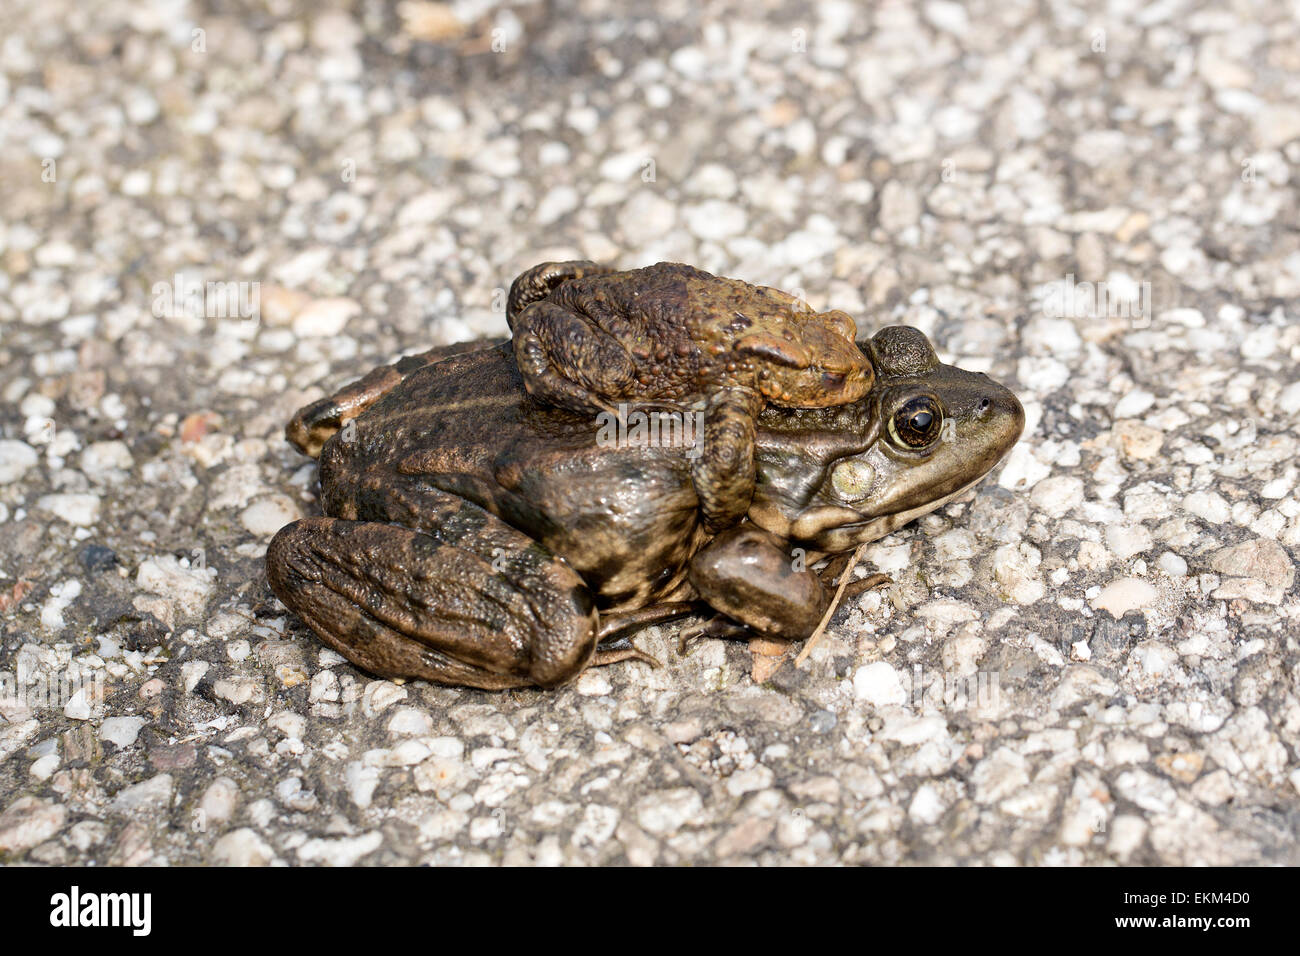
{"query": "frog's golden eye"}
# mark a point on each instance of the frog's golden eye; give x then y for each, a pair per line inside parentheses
(917, 423)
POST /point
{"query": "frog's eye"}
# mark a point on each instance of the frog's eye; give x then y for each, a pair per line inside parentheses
(917, 423)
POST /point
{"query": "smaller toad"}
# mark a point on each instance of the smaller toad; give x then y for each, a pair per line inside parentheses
(588, 339)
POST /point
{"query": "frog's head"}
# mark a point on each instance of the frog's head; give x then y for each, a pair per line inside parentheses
(834, 478)
(812, 364)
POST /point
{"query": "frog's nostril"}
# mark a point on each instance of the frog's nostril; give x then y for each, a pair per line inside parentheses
(985, 404)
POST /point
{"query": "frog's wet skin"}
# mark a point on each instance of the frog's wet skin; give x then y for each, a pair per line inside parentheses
(475, 536)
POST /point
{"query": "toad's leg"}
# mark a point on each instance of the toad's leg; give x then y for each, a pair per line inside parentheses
(723, 471)
(315, 424)
(569, 361)
(536, 284)
(749, 575)
(490, 609)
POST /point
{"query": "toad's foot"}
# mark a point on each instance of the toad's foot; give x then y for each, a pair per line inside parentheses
(537, 283)
(568, 361)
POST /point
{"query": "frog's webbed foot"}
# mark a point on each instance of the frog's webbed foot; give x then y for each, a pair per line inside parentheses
(568, 361)
(317, 423)
(830, 576)
(482, 605)
(719, 626)
(537, 283)
(723, 470)
(614, 655)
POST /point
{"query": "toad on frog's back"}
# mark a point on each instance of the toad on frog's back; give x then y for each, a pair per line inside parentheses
(588, 338)
(472, 536)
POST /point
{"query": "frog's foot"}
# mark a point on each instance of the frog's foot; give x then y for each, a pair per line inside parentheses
(614, 622)
(723, 470)
(613, 655)
(536, 283)
(317, 423)
(830, 576)
(568, 361)
(869, 583)
(490, 609)
(720, 626)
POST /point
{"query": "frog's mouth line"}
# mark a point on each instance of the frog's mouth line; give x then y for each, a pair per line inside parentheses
(835, 536)
(900, 518)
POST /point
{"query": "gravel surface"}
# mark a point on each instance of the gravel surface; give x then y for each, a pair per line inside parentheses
(1093, 658)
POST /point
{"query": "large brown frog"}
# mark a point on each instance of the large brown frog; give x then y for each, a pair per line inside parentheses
(588, 338)
(475, 536)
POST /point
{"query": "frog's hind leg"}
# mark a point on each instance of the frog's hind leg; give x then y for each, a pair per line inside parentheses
(315, 424)
(568, 361)
(490, 609)
(536, 283)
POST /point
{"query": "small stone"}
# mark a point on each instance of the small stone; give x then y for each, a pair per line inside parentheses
(1185, 767)
(927, 807)
(16, 458)
(1138, 441)
(667, 811)
(81, 510)
(1172, 565)
(95, 558)
(407, 721)
(268, 515)
(879, 685)
(242, 847)
(1126, 594)
(153, 795)
(121, 731)
(1262, 560)
(29, 821)
(186, 587)
(900, 207)
(324, 317)
(999, 775)
(1127, 540)
(218, 803)
(1133, 404)
(592, 683)
(1015, 568)
(343, 852)
(1208, 505)
(715, 219)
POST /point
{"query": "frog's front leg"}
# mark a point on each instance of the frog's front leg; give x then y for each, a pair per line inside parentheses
(315, 424)
(485, 607)
(750, 575)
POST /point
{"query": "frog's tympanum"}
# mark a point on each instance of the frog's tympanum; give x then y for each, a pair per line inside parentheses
(473, 535)
(588, 338)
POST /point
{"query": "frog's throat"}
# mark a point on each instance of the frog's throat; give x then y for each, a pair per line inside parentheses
(827, 525)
